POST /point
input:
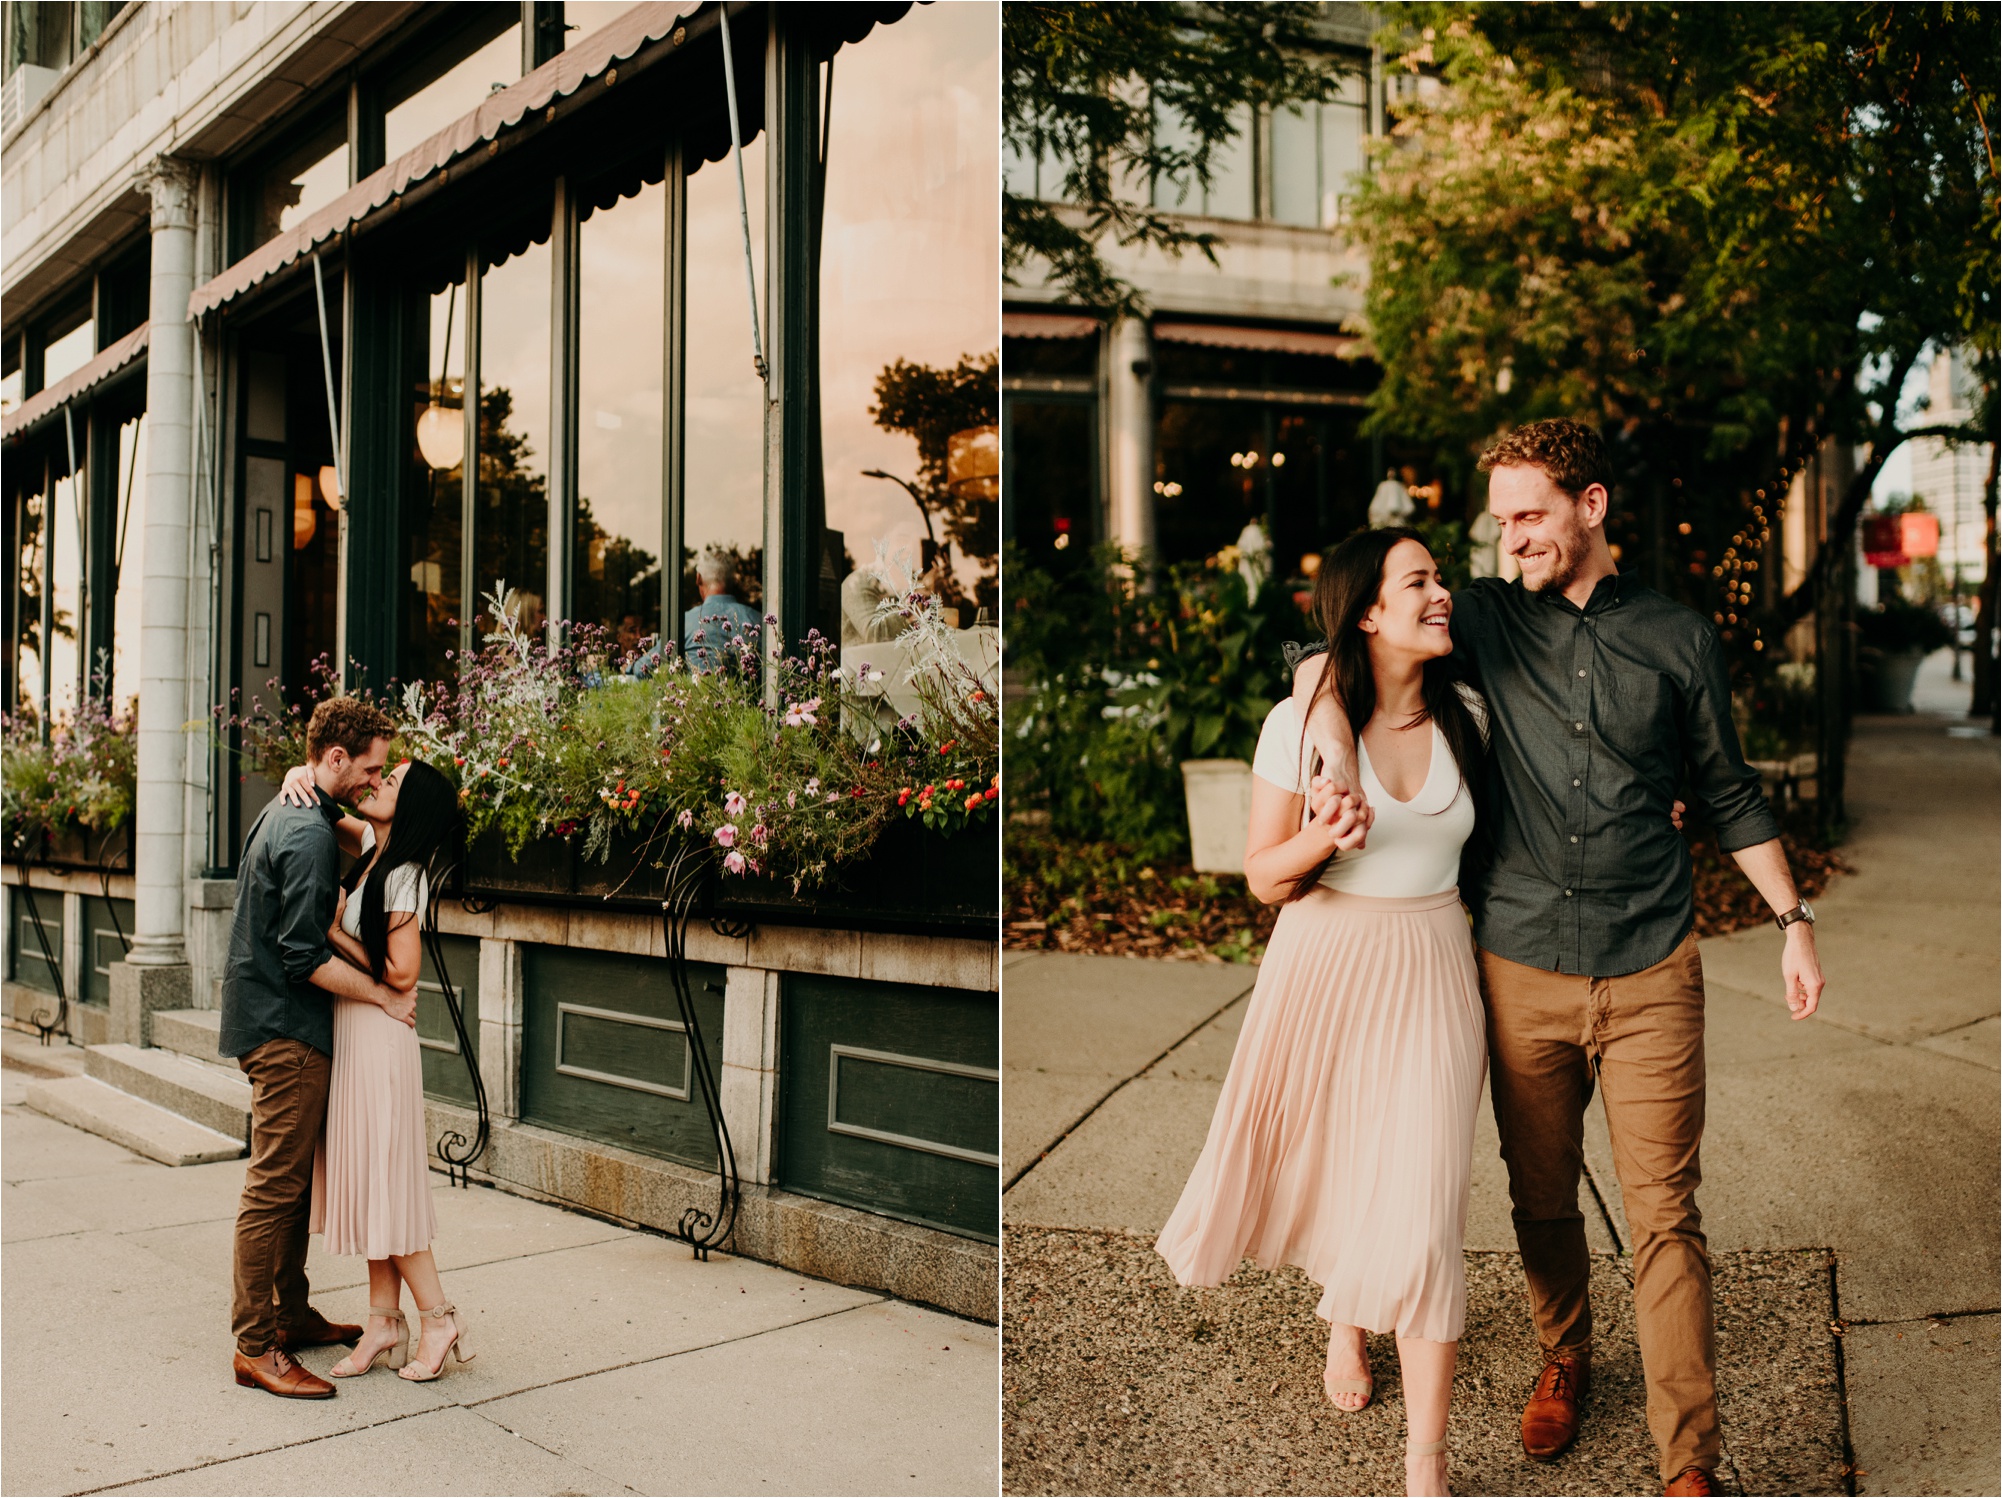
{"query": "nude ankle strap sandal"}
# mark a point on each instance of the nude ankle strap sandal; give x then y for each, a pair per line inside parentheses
(396, 1354)
(456, 1348)
(1430, 1448)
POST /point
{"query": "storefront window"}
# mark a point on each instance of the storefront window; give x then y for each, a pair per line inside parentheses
(722, 398)
(12, 377)
(622, 329)
(287, 189)
(128, 564)
(909, 298)
(26, 623)
(424, 105)
(434, 506)
(511, 516)
(65, 572)
(582, 17)
(68, 351)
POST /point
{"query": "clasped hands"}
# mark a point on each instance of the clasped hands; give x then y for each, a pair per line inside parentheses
(1338, 815)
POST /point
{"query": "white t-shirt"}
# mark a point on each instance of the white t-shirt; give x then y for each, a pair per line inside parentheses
(1413, 846)
(407, 890)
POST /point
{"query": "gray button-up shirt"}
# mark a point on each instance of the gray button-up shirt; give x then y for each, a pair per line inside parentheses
(278, 937)
(1598, 716)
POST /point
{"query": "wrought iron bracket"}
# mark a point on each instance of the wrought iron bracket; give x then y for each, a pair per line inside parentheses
(453, 1148)
(701, 1230)
(50, 1024)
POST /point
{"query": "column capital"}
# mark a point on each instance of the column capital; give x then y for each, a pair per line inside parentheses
(171, 182)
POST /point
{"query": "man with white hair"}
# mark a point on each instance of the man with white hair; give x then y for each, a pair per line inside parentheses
(719, 619)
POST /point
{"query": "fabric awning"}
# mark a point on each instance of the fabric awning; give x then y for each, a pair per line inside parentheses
(48, 403)
(593, 57)
(1268, 340)
(1047, 325)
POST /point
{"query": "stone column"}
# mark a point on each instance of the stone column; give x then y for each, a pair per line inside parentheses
(500, 1020)
(749, 1081)
(1130, 435)
(155, 974)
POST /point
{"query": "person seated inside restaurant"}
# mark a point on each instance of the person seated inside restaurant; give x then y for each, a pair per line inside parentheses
(720, 618)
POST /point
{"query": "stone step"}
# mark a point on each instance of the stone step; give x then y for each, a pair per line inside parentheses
(86, 1103)
(192, 1032)
(203, 1094)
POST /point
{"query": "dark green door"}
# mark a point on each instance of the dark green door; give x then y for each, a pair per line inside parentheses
(891, 1100)
(605, 1053)
(107, 926)
(445, 1070)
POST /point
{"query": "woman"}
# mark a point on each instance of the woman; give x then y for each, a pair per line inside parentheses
(1343, 1139)
(371, 1179)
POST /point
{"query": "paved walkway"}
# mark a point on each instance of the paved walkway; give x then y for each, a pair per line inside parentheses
(1871, 1131)
(607, 1361)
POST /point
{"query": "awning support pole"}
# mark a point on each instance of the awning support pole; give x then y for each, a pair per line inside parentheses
(743, 199)
(77, 503)
(327, 363)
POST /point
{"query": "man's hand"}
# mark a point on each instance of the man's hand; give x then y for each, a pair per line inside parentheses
(401, 1004)
(1675, 815)
(1338, 818)
(1800, 968)
(297, 789)
(1341, 783)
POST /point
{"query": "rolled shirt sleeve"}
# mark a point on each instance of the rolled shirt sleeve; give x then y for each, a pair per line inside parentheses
(1730, 788)
(305, 896)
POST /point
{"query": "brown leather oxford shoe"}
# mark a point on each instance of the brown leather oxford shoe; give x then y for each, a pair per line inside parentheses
(317, 1331)
(1691, 1480)
(276, 1373)
(1550, 1419)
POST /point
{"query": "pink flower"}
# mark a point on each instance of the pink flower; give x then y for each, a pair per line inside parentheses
(801, 714)
(733, 805)
(727, 835)
(734, 862)
(686, 819)
(760, 833)
(792, 799)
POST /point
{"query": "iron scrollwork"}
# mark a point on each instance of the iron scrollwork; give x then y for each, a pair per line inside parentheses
(700, 1229)
(56, 1022)
(453, 1148)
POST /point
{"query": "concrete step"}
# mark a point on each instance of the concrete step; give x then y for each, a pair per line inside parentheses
(203, 1094)
(192, 1032)
(86, 1103)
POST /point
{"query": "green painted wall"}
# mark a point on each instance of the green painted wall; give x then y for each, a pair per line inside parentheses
(445, 1075)
(103, 920)
(24, 949)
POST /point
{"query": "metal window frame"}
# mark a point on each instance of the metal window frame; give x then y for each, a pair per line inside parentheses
(613, 1079)
(913, 1063)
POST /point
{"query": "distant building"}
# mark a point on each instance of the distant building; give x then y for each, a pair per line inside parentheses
(1951, 479)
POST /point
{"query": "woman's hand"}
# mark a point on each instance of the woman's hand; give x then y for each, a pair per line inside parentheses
(1341, 819)
(297, 788)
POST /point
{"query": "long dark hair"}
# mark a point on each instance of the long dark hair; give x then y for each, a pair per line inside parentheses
(1350, 584)
(428, 832)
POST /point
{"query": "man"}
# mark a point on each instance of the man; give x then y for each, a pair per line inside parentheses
(719, 619)
(278, 988)
(1602, 693)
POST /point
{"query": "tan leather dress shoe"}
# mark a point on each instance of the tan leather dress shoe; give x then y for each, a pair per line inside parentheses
(1691, 1480)
(1550, 1419)
(317, 1331)
(276, 1373)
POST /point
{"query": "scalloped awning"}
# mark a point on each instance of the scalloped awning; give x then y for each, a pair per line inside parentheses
(45, 404)
(594, 56)
(1266, 340)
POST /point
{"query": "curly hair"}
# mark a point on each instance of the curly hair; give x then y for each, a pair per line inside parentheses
(346, 723)
(1569, 452)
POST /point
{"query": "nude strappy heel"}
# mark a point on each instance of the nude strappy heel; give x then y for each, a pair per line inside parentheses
(417, 1373)
(1363, 1386)
(398, 1352)
(1430, 1448)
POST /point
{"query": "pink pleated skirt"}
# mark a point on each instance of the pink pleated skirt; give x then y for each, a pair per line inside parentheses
(372, 1177)
(1343, 1140)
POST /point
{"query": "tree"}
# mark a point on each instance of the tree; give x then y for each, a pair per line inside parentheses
(1081, 86)
(1727, 234)
(932, 406)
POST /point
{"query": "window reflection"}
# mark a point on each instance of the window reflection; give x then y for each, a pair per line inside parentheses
(27, 610)
(622, 330)
(1316, 151)
(434, 488)
(909, 323)
(582, 17)
(65, 573)
(65, 355)
(305, 178)
(128, 560)
(511, 521)
(1232, 190)
(458, 91)
(722, 398)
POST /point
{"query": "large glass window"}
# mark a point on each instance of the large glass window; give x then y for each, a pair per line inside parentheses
(1317, 150)
(12, 377)
(511, 516)
(909, 311)
(434, 503)
(622, 329)
(65, 573)
(722, 399)
(303, 177)
(1233, 186)
(31, 573)
(68, 346)
(426, 102)
(582, 17)
(128, 559)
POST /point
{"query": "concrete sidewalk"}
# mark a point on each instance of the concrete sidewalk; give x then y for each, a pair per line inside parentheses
(607, 1361)
(1871, 1131)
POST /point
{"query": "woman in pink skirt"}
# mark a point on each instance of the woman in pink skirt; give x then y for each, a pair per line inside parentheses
(1343, 1140)
(372, 1179)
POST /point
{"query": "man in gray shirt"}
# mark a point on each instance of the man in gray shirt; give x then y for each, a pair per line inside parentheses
(278, 988)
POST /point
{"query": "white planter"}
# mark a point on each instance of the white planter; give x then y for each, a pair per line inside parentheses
(1219, 798)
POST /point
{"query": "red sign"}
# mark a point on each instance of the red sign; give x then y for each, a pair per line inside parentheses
(1918, 534)
(1883, 541)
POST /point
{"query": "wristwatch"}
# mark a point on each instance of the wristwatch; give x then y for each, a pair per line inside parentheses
(1800, 912)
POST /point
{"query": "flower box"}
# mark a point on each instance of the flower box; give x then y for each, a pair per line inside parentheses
(81, 848)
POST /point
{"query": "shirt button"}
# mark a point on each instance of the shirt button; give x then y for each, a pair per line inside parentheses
(1577, 782)
(1579, 726)
(1574, 838)
(1567, 894)
(1581, 673)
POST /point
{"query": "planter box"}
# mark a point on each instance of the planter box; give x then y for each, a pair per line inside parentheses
(80, 848)
(1887, 679)
(1219, 800)
(914, 880)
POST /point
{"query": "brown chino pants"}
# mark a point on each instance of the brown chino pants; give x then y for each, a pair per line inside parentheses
(288, 1111)
(1549, 1034)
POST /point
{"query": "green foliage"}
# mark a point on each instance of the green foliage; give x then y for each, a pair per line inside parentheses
(84, 777)
(931, 406)
(1898, 628)
(1081, 84)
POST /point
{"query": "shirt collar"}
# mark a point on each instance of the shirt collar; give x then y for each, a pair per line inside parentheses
(329, 807)
(1608, 593)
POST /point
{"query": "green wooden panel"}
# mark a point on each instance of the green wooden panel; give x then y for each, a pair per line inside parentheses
(24, 947)
(104, 921)
(890, 1100)
(445, 1070)
(604, 1054)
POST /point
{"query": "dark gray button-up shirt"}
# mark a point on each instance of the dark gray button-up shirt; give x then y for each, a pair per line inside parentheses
(278, 938)
(1598, 716)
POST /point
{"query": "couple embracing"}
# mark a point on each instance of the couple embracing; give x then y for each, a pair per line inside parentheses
(1519, 747)
(319, 1008)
